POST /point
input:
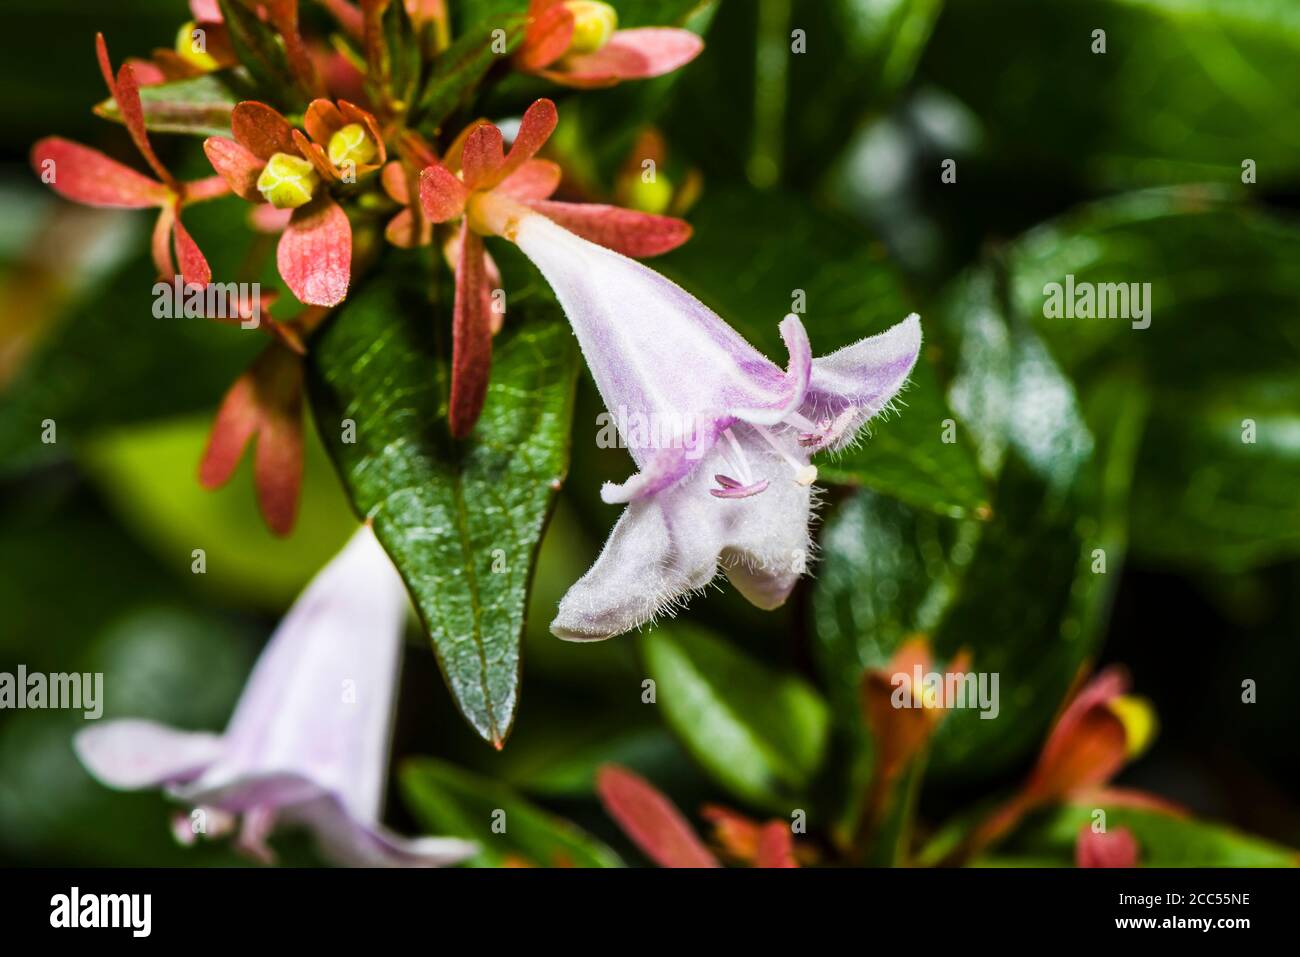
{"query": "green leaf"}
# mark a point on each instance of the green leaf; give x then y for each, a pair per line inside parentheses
(160, 368)
(906, 454)
(1166, 238)
(887, 571)
(461, 68)
(199, 106)
(755, 256)
(760, 734)
(1217, 478)
(1059, 521)
(1163, 840)
(462, 521)
(1185, 90)
(260, 50)
(148, 475)
(449, 802)
(784, 116)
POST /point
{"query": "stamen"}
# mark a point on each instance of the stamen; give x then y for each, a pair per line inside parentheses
(739, 461)
(733, 489)
(804, 473)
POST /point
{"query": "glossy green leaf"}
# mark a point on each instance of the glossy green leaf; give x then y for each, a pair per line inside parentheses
(915, 453)
(887, 571)
(761, 734)
(449, 802)
(1218, 478)
(462, 521)
(1059, 522)
(199, 106)
(1206, 325)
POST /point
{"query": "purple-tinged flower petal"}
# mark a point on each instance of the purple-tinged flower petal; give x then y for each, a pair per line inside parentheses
(855, 383)
(132, 754)
(692, 399)
(308, 742)
(654, 348)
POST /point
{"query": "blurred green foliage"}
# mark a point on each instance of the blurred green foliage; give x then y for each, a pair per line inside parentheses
(821, 170)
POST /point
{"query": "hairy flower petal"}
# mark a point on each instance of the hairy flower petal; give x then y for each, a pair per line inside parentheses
(308, 741)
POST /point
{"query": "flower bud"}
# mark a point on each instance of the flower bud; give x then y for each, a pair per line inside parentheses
(593, 24)
(352, 144)
(1139, 721)
(288, 181)
(192, 47)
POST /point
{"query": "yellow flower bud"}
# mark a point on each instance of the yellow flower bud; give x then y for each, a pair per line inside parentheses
(288, 181)
(192, 47)
(593, 24)
(352, 144)
(1139, 721)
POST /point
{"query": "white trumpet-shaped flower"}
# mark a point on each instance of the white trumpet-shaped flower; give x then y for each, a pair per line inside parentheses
(724, 435)
(308, 742)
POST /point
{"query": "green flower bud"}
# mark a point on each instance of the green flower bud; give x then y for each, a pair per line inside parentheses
(192, 47)
(593, 24)
(352, 144)
(288, 181)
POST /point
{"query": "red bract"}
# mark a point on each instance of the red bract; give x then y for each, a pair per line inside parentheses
(651, 820)
(1115, 848)
(626, 55)
(85, 175)
(315, 251)
(265, 402)
(1088, 745)
(487, 169)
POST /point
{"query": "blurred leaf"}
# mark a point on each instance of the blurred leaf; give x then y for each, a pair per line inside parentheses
(150, 475)
(1185, 90)
(874, 46)
(261, 51)
(1163, 841)
(1207, 325)
(750, 259)
(783, 115)
(462, 67)
(112, 610)
(887, 571)
(567, 765)
(462, 521)
(159, 368)
(1206, 497)
(1065, 471)
(761, 734)
(905, 454)
(199, 106)
(450, 802)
